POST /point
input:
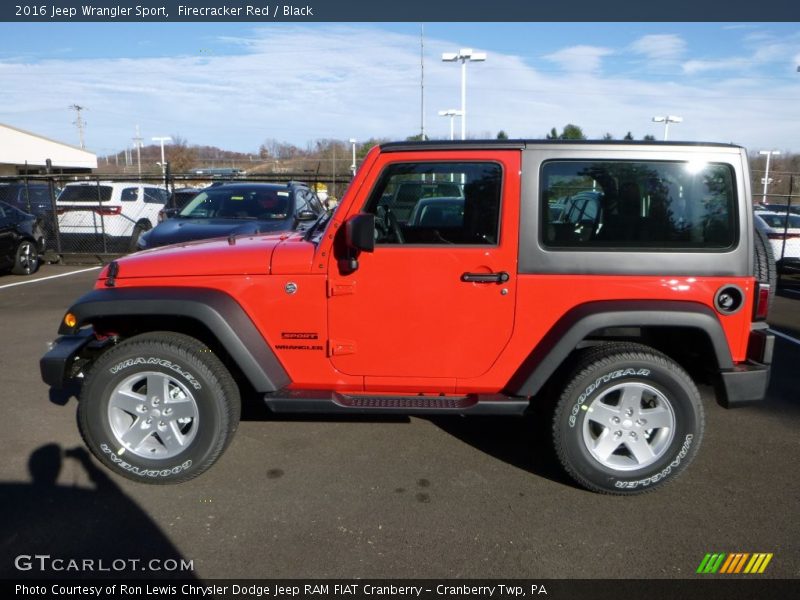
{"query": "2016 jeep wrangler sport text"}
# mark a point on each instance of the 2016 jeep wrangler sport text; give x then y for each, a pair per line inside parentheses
(455, 277)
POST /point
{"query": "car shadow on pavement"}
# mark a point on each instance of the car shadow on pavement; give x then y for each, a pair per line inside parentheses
(523, 442)
(50, 530)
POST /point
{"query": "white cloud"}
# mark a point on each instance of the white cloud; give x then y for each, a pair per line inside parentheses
(586, 59)
(300, 84)
(660, 47)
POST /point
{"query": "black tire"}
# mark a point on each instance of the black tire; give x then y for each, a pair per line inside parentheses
(26, 259)
(764, 263)
(596, 451)
(167, 448)
(138, 230)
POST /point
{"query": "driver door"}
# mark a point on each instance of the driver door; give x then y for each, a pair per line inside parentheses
(435, 300)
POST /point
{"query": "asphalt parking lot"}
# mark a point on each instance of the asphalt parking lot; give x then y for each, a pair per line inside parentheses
(386, 497)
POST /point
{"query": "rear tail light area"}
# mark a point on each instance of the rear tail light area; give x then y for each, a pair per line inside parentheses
(761, 306)
(100, 210)
(108, 210)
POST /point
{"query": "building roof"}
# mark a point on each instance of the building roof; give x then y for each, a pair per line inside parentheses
(18, 147)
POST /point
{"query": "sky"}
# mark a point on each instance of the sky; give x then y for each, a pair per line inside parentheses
(237, 85)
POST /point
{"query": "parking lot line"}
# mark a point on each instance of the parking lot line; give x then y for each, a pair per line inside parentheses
(784, 336)
(8, 285)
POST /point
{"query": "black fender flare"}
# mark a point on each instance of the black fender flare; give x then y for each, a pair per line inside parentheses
(577, 324)
(216, 310)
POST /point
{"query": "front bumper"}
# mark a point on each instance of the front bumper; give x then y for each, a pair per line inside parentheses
(58, 365)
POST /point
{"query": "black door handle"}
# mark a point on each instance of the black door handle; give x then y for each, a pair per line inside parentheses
(500, 277)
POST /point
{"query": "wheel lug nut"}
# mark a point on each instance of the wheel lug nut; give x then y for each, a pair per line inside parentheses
(617, 434)
(629, 412)
(167, 411)
(641, 422)
(615, 420)
(633, 434)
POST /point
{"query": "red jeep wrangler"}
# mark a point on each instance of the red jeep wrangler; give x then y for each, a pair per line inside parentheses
(470, 278)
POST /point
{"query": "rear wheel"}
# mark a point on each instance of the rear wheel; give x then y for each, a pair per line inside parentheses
(629, 420)
(26, 259)
(158, 408)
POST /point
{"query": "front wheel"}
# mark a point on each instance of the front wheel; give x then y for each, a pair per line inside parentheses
(158, 408)
(629, 420)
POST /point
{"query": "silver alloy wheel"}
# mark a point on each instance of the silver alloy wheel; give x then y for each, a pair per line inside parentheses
(153, 415)
(629, 426)
(27, 258)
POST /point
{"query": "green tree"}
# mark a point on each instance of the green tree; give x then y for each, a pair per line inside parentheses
(572, 132)
(649, 138)
(608, 136)
(502, 135)
(628, 137)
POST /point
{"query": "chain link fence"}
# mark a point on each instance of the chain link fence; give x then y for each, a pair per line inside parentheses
(95, 218)
(780, 214)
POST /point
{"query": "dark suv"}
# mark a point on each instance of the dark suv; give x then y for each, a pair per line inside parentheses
(30, 197)
(237, 209)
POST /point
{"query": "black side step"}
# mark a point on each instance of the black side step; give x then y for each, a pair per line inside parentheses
(309, 401)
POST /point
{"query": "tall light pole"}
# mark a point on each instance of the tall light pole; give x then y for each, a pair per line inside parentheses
(137, 141)
(768, 154)
(353, 166)
(666, 121)
(464, 55)
(162, 140)
(452, 113)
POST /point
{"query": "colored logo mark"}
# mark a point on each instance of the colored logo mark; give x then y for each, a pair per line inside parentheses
(734, 563)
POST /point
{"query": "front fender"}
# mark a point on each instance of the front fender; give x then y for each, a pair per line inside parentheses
(216, 310)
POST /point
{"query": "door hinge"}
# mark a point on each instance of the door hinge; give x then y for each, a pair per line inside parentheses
(340, 289)
(341, 347)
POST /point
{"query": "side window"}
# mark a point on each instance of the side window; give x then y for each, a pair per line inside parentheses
(638, 205)
(129, 194)
(437, 203)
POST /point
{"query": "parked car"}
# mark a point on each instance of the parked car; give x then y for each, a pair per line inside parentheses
(787, 252)
(30, 197)
(21, 240)
(178, 200)
(237, 208)
(120, 211)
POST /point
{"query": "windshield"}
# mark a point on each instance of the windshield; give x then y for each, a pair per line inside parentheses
(239, 203)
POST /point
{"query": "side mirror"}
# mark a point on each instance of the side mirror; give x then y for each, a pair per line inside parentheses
(360, 232)
(307, 215)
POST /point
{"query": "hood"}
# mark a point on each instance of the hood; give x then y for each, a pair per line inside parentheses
(244, 256)
(177, 230)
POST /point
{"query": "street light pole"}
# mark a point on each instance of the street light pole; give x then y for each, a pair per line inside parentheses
(667, 120)
(353, 166)
(452, 113)
(464, 55)
(768, 154)
(162, 140)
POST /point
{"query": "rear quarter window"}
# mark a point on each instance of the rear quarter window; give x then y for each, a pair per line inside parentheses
(638, 205)
(85, 193)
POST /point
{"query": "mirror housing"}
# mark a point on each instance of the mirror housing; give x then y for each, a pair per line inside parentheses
(307, 215)
(360, 232)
